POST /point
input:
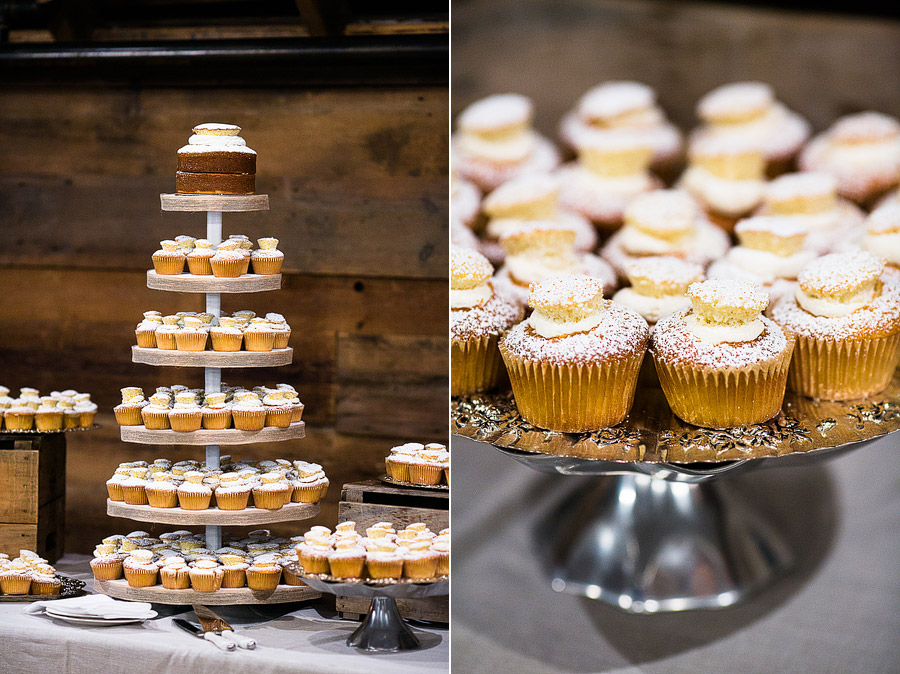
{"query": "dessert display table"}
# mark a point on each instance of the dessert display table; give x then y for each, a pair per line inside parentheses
(291, 638)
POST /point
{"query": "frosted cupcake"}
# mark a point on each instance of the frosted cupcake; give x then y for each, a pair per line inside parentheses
(140, 569)
(530, 198)
(278, 409)
(233, 493)
(748, 112)
(347, 560)
(664, 222)
(264, 573)
(192, 336)
(165, 333)
(49, 416)
(420, 561)
(155, 415)
(383, 561)
(128, 413)
(624, 106)
(267, 259)
(247, 412)
(185, 415)
(174, 573)
(478, 316)
(574, 362)
(198, 258)
(494, 142)
(811, 200)
(861, 151)
(145, 332)
(397, 462)
(771, 254)
(206, 575)
(612, 169)
(226, 336)
(114, 484)
(259, 335)
(722, 363)
(169, 259)
(882, 236)
(272, 492)
(216, 414)
(536, 251)
(161, 491)
(227, 263)
(192, 493)
(846, 315)
(658, 286)
(726, 176)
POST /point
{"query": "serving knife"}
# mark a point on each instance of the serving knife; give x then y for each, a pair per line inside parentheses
(211, 637)
(212, 622)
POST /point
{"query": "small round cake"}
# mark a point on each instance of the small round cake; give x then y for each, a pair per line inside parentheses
(216, 160)
(479, 314)
(574, 362)
(846, 315)
(882, 235)
(658, 286)
(721, 363)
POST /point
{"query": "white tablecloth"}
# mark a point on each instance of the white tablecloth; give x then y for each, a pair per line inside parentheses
(298, 641)
(839, 613)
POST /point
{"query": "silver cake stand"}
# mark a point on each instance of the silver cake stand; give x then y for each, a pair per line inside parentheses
(663, 527)
(383, 630)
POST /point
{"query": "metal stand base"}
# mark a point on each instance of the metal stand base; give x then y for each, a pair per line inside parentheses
(383, 629)
(648, 545)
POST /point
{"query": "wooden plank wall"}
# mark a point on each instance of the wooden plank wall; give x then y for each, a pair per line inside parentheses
(357, 180)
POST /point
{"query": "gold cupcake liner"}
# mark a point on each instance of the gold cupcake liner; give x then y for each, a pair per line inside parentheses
(843, 369)
(107, 570)
(19, 422)
(281, 339)
(263, 580)
(135, 494)
(194, 500)
(297, 412)
(323, 489)
(125, 416)
(384, 569)
(175, 579)
(115, 491)
(232, 500)
(425, 474)
(191, 341)
(347, 567)
(226, 342)
(155, 419)
(161, 498)
(474, 365)
(140, 577)
(218, 420)
(185, 422)
(725, 398)
(290, 578)
(270, 499)
(259, 341)
(267, 266)
(397, 470)
(52, 421)
(234, 577)
(314, 564)
(45, 587)
(279, 418)
(199, 266)
(146, 339)
(86, 419)
(15, 583)
(306, 494)
(168, 266)
(573, 398)
(227, 268)
(443, 564)
(248, 420)
(423, 568)
(165, 341)
(206, 580)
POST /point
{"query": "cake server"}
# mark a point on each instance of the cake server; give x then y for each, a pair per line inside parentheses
(213, 638)
(212, 622)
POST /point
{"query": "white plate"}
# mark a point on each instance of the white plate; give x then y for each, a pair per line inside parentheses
(73, 612)
(83, 620)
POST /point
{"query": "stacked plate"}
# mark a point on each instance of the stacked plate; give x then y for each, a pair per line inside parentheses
(94, 609)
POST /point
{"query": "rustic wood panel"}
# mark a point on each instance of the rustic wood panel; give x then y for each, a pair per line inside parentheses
(15, 537)
(342, 168)
(434, 609)
(19, 486)
(413, 399)
(46, 536)
(369, 502)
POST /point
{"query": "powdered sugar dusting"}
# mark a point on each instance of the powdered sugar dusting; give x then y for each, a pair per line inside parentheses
(664, 272)
(729, 294)
(621, 332)
(611, 99)
(494, 317)
(880, 317)
(865, 126)
(884, 218)
(673, 342)
(804, 184)
(840, 273)
(565, 292)
(780, 226)
(495, 112)
(468, 268)
(735, 98)
(663, 211)
(523, 189)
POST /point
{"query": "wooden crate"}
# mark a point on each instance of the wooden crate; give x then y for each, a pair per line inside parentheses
(32, 494)
(373, 501)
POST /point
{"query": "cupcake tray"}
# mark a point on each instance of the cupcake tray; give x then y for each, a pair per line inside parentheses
(192, 283)
(211, 516)
(224, 203)
(387, 479)
(157, 594)
(34, 431)
(172, 358)
(230, 436)
(652, 434)
(70, 587)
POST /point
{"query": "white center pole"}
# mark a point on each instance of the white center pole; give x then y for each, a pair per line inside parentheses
(213, 375)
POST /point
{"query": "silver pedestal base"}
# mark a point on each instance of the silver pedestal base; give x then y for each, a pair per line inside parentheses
(650, 545)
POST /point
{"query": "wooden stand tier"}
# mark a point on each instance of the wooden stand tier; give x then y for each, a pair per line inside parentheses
(192, 283)
(238, 518)
(231, 436)
(224, 203)
(157, 594)
(170, 358)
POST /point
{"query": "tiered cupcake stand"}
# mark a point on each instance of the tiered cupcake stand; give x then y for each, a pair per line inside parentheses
(662, 527)
(212, 362)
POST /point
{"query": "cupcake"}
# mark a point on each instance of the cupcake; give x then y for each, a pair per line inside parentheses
(259, 335)
(114, 484)
(161, 491)
(629, 107)
(140, 569)
(574, 362)
(267, 259)
(313, 556)
(206, 575)
(128, 413)
(668, 223)
(44, 581)
(234, 574)
(272, 492)
(397, 463)
(749, 112)
(233, 493)
(530, 198)
(479, 315)
(536, 251)
(347, 562)
(227, 263)
(282, 330)
(15, 578)
(420, 562)
(169, 259)
(658, 286)
(192, 335)
(882, 235)
(278, 410)
(494, 142)
(198, 259)
(165, 333)
(442, 548)
(770, 254)
(19, 418)
(185, 243)
(216, 414)
(226, 336)
(861, 151)
(264, 573)
(726, 176)
(311, 485)
(49, 417)
(134, 487)
(186, 415)
(383, 561)
(145, 332)
(811, 200)
(846, 315)
(192, 493)
(424, 470)
(721, 363)
(155, 415)
(174, 573)
(247, 412)
(612, 169)
(107, 567)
